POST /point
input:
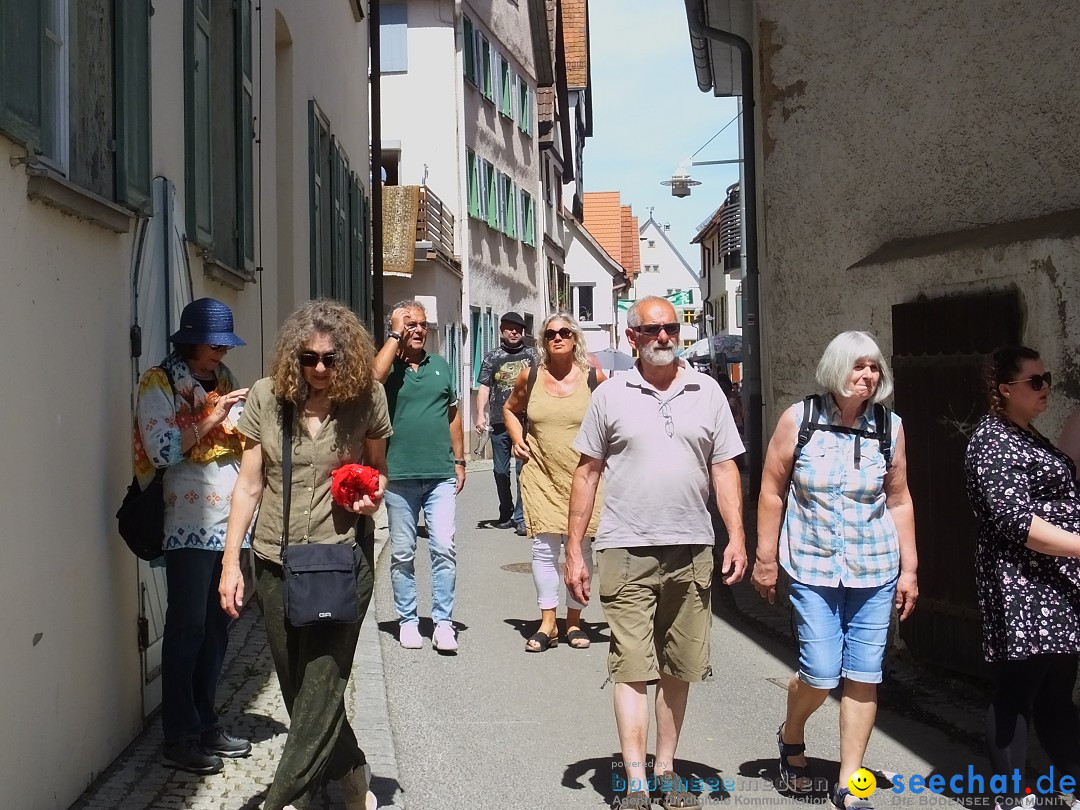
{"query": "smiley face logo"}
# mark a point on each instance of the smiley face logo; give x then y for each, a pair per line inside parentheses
(862, 783)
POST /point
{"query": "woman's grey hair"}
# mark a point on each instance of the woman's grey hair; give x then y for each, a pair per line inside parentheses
(581, 352)
(843, 351)
(633, 315)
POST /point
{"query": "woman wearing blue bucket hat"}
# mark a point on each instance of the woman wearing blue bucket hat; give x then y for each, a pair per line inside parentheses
(186, 425)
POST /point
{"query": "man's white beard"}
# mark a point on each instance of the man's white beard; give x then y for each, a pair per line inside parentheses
(657, 356)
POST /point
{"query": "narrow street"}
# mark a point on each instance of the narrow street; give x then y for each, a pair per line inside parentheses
(497, 727)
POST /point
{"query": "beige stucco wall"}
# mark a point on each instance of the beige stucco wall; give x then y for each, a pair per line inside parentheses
(908, 119)
(70, 695)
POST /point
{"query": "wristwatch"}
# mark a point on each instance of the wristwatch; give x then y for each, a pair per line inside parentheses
(395, 335)
(459, 461)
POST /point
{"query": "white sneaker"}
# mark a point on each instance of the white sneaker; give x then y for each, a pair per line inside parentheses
(444, 639)
(409, 636)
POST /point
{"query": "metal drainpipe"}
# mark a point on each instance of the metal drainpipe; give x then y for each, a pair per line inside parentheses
(751, 344)
(378, 321)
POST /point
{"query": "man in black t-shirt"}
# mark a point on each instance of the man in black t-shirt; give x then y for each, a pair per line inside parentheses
(498, 372)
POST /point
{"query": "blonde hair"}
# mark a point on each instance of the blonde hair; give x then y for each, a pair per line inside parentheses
(355, 363)
(581, 353)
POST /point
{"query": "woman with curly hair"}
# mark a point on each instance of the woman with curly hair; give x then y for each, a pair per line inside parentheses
(322, 365)
(555, 397)
(1024, 495)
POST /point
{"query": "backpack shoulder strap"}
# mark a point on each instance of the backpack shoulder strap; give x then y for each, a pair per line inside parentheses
(883, 422)
(532, 381)
(811, 412)
(592, 378)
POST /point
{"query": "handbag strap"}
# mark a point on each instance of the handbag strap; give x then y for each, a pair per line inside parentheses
(286, 471)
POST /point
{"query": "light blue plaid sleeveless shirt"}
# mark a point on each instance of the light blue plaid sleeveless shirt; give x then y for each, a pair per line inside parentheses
(836, 529)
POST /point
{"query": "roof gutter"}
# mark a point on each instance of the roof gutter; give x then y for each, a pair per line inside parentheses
(695, 15)
(700, 46)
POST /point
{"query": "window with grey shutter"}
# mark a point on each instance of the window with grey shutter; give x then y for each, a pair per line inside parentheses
(197, 123)
(245, 138)
(393, 38)
(360, 254)
(319, 162)
(22, 49)
(133, 163)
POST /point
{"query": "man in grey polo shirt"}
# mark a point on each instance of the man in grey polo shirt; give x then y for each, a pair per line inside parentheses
(658, 434)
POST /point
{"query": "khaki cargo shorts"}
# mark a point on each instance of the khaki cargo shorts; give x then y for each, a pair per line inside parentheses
(657, 602)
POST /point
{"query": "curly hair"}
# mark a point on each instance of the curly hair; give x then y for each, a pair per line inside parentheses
(353, 370)
(581, 353)
(1001, 367)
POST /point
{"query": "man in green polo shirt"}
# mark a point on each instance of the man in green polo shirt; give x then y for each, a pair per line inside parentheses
(426, 461)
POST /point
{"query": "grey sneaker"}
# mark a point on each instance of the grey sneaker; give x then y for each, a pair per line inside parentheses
(186, 755)
(217, 741)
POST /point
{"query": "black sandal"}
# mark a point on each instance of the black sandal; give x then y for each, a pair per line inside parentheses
(840, 793)
(578, 635)
(794, 777)
(543, 640)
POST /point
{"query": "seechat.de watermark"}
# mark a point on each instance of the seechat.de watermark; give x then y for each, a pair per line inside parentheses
(1003, 790)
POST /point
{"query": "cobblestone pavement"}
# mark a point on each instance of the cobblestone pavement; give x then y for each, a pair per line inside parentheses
(251, 706)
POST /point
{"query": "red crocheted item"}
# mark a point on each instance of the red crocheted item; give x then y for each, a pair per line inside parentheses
(352, 482)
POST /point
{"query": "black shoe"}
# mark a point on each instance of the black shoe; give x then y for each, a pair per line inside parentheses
(224, 745)
(505, 524)
(186, 755)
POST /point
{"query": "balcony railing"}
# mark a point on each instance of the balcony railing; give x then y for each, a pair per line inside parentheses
(417, 226)
(435, 224)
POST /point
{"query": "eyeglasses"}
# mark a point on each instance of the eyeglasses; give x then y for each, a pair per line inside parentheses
(1036, 381)
(669, 423)
(564, 333)
(654, 329)
(312, 359)
(214, 347)
(418, 325)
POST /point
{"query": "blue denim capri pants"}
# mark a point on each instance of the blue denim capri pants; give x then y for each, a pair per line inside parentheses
(842, 632)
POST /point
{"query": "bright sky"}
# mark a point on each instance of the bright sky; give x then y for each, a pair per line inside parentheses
(649, 116)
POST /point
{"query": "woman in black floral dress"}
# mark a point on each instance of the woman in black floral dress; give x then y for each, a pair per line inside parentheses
(1024, 495)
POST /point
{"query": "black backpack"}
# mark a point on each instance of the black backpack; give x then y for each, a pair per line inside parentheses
(141, 516)
(813, 409)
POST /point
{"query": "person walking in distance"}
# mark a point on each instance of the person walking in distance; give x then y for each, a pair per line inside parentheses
(658, 434)
(426, 460)
(498, 372)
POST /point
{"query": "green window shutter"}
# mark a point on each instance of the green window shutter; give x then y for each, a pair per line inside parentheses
(473, 170)
(361, 259)
(22, 51)
(485, 78)
(132, 48)
(316, 160)
(477, 345)
(492, 198)
(525, 116)
(245, 138)
(468, 38)
(339, 245)
(528, 232)
(482, 171)
(197, 158)
(511, 211)
(506, 105)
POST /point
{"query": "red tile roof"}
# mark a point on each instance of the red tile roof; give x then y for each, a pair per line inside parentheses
(615, 228)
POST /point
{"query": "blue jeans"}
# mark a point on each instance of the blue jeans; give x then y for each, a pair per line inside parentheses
(500, 452)
(842, 632)
(404, 500)
(193, 646)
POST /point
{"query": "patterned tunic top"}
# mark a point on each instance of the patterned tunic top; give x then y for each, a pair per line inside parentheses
(198, 485)
(837, 529)
(1030, 602)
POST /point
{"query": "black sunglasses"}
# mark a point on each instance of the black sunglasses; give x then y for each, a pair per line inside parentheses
(311, 359)
(564, 333)
(654, 329)
(1036, 381)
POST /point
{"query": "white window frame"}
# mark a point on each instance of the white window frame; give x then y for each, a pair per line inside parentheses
(575, 299)
(57, 130)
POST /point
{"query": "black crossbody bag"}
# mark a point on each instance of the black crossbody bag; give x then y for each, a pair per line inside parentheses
(320, 578)
(141, 516)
